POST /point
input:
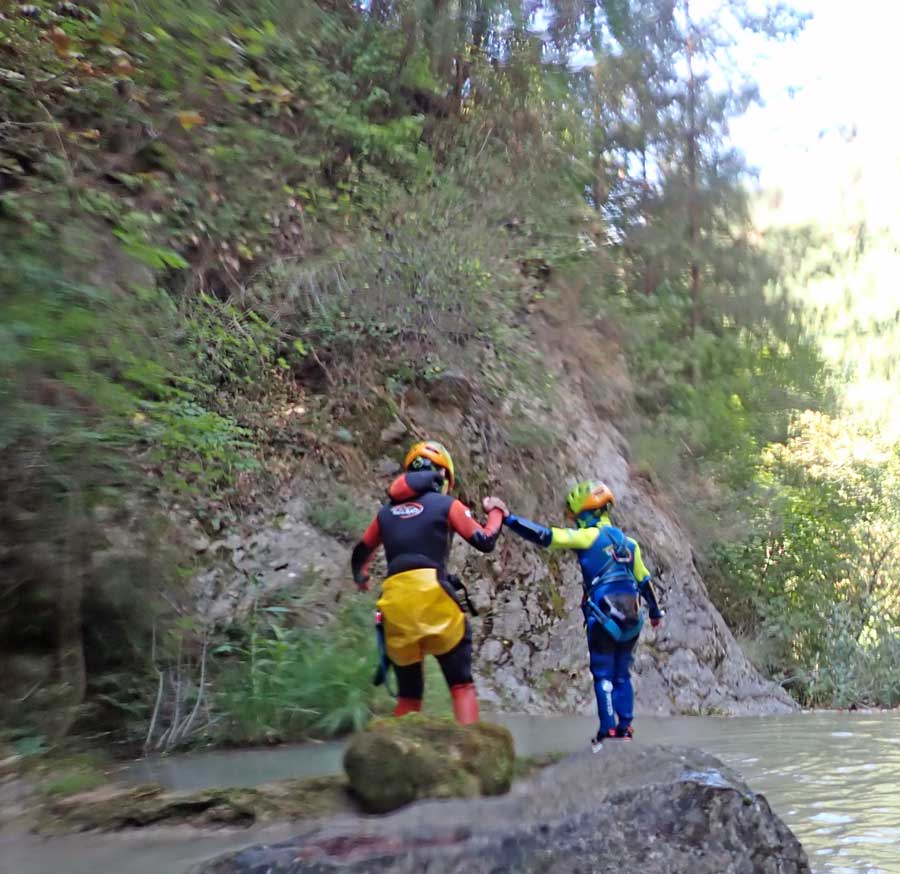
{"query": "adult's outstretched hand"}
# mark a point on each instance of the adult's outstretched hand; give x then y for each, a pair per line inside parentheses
(494, 503)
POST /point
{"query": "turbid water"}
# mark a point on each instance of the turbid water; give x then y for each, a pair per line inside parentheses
(834, 778)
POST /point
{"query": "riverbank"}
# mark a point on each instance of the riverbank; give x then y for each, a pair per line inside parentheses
(58, 795)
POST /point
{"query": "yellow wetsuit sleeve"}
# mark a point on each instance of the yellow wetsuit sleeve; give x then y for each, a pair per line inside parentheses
(573, 538)
(639, 569)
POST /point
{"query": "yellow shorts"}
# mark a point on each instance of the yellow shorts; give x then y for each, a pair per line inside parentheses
(419, 617)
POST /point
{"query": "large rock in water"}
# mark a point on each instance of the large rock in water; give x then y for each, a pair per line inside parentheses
(394, 762)
(650, 809)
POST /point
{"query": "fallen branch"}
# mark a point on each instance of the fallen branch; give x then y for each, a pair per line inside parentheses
(185, 729)
(159, 695)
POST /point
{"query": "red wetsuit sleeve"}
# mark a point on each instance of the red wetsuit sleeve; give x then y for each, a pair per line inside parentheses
(482, 538)
(364, 551)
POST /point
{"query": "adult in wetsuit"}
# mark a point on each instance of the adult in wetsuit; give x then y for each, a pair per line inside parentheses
(613, 576)
(420, 613)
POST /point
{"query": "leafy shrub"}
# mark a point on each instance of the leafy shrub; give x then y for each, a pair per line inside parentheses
(337, 512)
(73, 781)
(816, 579)
(288, 682)
(531, 436)
(855, 668)
(425, 287)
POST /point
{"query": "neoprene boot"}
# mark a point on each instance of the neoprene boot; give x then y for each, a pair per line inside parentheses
(465, 703)
(407, 705)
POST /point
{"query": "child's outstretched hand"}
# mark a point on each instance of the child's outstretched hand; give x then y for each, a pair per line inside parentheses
(494, 503)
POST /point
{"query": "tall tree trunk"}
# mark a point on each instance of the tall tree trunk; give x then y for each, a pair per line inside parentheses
(601, 184)
(380, 10)
(70, 664)
(442, 56)
(480, 24)
(409, 24)
(649, 278)
(693, 211)
(464, 58)
(692, 159)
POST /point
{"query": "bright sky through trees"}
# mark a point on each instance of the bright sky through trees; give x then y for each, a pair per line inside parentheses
(838, 76)
(828, 138)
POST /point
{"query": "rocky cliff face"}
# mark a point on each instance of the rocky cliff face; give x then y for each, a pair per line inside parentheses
(532, 654)
(654, 810)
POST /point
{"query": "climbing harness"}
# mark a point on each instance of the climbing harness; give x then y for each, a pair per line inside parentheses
(609, 624)
(458, 586)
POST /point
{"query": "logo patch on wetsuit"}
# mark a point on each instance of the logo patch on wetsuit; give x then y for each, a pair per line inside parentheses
(407, 511)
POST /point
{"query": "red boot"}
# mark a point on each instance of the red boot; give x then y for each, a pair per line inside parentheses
(407, 705)
(465, 703)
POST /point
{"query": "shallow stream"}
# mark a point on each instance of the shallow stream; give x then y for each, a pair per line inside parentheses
(834, 778)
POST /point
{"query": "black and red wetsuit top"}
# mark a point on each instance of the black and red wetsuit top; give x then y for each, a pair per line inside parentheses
(417, 528)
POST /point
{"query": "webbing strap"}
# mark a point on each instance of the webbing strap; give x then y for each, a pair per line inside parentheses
(382, 671)
(615, 631)
(621, 552)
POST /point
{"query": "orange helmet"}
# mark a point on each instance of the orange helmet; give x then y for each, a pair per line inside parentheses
(589, 495)
(430, 453)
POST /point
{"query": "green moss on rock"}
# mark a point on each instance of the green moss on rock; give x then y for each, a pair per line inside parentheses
(116, 807)
(398, 761)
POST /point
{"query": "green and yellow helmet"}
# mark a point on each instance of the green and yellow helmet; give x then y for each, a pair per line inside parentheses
(588, 495)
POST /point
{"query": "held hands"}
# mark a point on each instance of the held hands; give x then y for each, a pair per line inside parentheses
(494, 503)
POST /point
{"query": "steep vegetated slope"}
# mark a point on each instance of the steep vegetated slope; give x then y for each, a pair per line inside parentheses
(247, 250)
(529, 634)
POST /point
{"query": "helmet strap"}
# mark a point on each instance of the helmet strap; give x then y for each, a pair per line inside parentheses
(586, 519)
(421, 464)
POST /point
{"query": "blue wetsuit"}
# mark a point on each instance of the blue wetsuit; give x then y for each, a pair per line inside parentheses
(614, 575)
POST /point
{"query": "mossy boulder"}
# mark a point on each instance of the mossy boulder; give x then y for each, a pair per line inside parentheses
(398, 761)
